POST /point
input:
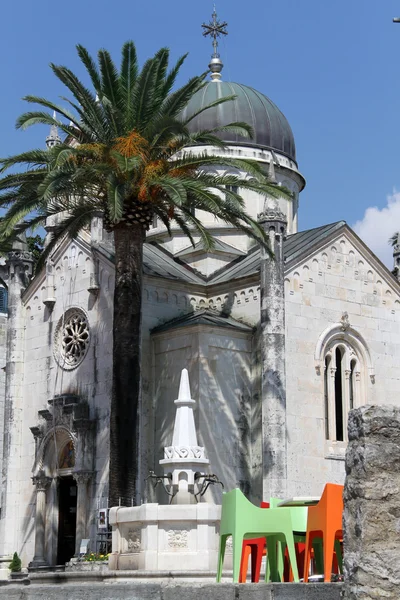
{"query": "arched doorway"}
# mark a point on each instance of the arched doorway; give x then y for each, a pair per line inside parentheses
(67, 504)
(63, 476)
(56, 512)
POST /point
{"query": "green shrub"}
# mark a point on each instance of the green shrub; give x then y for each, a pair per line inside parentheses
(95, 556)
(15, 564)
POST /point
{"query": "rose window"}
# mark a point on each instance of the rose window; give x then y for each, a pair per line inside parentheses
(72, 338)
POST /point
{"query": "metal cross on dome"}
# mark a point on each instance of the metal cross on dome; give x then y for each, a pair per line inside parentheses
(215, 29)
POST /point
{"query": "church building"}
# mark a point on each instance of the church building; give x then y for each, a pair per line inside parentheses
(278, 350)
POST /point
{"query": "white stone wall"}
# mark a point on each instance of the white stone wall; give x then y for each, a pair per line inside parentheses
(44, 378)
(339, 278)
(219, 364)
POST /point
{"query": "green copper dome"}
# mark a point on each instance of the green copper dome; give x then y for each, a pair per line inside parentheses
(271, 128)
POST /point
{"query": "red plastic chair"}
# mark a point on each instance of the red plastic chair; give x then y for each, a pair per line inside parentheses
(255, 548)
(325, 521)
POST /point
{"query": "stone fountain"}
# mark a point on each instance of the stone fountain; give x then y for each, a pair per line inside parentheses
(180, 536)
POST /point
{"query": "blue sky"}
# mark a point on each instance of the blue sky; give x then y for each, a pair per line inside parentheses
(333, 68)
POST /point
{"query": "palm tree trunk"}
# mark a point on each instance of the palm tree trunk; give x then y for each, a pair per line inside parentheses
(126, 364)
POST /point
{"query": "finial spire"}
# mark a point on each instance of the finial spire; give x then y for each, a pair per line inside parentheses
(271, 170)
(184, 460)
(215, 29)
(53, 139)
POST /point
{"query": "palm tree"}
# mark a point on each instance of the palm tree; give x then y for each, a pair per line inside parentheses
(124, 155)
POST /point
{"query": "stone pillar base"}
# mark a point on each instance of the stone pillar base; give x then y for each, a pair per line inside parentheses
(4, 570)
(37, 563)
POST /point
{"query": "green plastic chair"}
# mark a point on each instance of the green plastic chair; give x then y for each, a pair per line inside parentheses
(242, 520)
(276, 553)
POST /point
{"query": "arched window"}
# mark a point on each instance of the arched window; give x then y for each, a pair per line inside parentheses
(343, 356)
(343, 388)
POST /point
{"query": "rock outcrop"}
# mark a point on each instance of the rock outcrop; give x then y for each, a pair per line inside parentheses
(372, 505)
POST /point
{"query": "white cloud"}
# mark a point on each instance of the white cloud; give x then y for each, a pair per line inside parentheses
(378, 225)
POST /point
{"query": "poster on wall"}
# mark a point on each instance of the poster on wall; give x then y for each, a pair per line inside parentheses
(103, 518)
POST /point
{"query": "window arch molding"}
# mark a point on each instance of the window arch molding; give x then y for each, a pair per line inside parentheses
(343, 357)
(343, 331)
(48, 452)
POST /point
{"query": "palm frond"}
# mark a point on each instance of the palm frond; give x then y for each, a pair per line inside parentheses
(172, 75)
(54, 107)
(16, 180)
(42, 118)
(91, 68)
(127, 79)
(110, 88)
(85, 98)
(161, 59)
(31, 158)
(177, 101)
(143, 95)
(115, 199)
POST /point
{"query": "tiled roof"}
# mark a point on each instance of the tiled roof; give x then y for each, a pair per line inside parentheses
(161, 263)
(219, 246)
(294, 246)
(158, 262)
(299, 243)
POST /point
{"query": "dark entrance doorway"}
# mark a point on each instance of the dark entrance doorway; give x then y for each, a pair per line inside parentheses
(67, 493)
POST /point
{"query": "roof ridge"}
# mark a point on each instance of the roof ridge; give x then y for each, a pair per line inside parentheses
(334, 223)
(204, 316)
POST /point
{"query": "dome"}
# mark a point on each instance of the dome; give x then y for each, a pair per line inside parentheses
(271, 128)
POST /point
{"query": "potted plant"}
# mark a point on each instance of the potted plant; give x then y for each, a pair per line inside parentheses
(15, 567)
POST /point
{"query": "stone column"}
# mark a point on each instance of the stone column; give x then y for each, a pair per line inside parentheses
(19, 262)
(331, 403)
(41, 482)
(82, 479)
(273, 378)
(346, 400)
(371, 504)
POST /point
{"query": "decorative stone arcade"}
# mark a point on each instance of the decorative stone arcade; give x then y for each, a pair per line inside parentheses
(64, 441)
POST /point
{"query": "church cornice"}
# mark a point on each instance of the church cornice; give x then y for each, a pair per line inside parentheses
(360, 246)
(39, 278)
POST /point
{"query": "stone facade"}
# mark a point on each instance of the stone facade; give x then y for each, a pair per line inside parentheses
(334, 342)
(339, 278)
(337, 290)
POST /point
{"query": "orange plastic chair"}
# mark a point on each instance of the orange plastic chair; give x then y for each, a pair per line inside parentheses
(325, 521)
